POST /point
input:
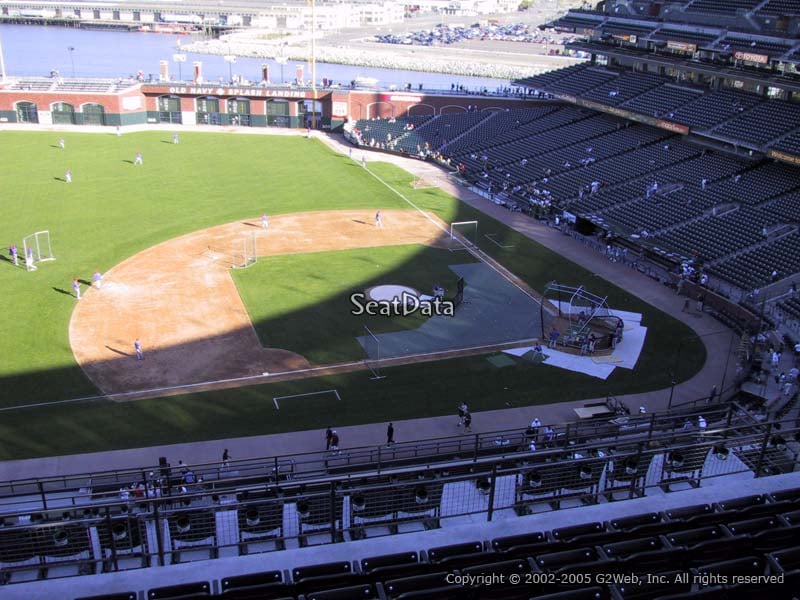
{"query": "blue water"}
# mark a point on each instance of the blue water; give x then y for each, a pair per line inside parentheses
(35, 50)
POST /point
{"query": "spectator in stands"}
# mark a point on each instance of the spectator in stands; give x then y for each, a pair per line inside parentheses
(335, 442)
(468, 422)
(226, 459)
(703, 183)
(702, 425)
(189, 477)
(390, 434)
(549, 434)
(462, 412)
(592, 343)
(534, 427)
(328, 437)
(701, 302)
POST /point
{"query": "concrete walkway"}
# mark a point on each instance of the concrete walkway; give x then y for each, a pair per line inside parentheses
(716, 338)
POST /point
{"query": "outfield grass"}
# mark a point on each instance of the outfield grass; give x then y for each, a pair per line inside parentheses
(300, 302)
(113, 210)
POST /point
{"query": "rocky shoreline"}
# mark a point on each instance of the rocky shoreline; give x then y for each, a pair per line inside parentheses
(372, 55)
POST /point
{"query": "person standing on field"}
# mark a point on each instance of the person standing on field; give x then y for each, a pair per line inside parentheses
(98, 279)
(76, 287)
(61, 143)
(137, 346)
(264, 221)
(378, 220)
(12, 252)
(138, 160)
(175, 139)
(68, 176)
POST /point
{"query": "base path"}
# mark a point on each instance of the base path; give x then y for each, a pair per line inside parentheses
(179, 299)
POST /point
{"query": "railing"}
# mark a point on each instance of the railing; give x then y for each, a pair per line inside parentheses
(156, 525)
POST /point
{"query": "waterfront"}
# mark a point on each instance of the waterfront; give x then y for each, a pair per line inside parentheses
(36, 51)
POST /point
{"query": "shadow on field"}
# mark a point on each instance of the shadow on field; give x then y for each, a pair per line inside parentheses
(360, 222)
(130, 162)
(117, 351)
(59, 179)
(62, 291)
(257, 225)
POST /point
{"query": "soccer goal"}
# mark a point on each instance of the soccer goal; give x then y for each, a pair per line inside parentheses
(463, 235)
(37, 249)
(245, 255)
(372, 346)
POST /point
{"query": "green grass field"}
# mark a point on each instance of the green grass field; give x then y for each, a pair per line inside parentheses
(114, 209)
(300, 302)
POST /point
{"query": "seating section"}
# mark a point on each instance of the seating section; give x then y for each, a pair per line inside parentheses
(722, 6)
(733, 44)
(790, 144)
(623, 88)
(779, 8)
(662, 100)
(754, 268)
(714, 108)
(762, 123)
(735, 115)
(694, 551)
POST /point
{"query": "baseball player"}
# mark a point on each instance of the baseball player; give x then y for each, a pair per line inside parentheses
(175, 139)
(76, 287)
(364, 160)
(29, 260)
(68, 176)
(12, 252)
(264, 221)
(378, 221)
(137, 345)
(98, 279)
(138, 160)
(62, 143)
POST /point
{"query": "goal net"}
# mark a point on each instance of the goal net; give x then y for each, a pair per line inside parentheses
(245, 254)
(463, 235)
(372, 346)
(37, 249)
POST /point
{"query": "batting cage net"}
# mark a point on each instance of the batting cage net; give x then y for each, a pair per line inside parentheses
(372, 346)
(37, 249)
(463, 235)
(245, 255)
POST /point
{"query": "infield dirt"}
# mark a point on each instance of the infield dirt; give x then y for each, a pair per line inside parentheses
(179, 299)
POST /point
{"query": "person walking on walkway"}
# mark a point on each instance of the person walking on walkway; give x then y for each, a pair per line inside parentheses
(390, 434)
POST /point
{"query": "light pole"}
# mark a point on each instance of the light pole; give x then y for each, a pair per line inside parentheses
(230, 59)
(281, 60)
(180, 59)
(2, 66)
(72, 58)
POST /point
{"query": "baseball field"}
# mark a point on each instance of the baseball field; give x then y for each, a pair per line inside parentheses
(165, 235)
